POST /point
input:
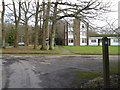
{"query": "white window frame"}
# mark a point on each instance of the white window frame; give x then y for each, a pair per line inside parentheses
(84, 40)
(115, 40)
(70, 40)
(93, 41)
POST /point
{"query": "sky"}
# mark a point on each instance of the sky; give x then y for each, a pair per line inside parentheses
(112, 16)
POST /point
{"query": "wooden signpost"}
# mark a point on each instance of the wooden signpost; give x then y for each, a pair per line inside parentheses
(105, 53)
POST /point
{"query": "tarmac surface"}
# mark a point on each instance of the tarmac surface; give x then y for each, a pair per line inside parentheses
(47, 71)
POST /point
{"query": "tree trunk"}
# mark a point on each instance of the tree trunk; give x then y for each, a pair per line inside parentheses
(54, 21)
(43, 29)
(36, 26)
(17, 20)
(26, 33)
(46, 28)
(2, 22)
(25, 7)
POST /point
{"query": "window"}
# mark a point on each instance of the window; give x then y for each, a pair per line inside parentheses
(83, 33)
(115, 40)
(84, 40)
(93, 41)
(70, 32)
(83, 26)
(70, 40)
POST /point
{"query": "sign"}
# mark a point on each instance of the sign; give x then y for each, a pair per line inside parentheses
(106, 42)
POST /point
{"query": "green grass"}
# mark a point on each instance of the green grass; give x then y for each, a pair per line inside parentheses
(87, 75)
(91, 49)
(91, 75)
(114, 49)
(84, 75)
(83, 50)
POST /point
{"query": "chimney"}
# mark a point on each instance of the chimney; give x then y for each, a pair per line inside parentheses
(76, 32)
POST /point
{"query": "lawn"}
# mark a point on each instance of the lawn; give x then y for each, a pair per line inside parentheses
(91, 49)
(29, 49)
(83, 50)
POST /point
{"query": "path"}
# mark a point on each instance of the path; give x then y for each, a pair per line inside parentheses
(65, 51)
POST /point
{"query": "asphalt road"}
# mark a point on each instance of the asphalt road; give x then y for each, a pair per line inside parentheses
(0, 71)
(47, 71)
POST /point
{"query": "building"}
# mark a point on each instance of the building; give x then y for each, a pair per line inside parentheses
(77, 35)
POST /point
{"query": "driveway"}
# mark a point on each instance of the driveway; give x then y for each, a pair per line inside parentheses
(48, 71)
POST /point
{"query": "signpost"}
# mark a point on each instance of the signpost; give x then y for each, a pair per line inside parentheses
(105, 51)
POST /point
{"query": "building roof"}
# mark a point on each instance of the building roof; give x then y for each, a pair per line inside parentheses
(105, 35)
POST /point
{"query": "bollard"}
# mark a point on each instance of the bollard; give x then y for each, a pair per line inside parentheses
(105, 52)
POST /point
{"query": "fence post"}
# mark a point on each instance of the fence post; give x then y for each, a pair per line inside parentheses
(105, 52)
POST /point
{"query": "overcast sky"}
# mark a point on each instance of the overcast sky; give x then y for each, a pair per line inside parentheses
(112, 16)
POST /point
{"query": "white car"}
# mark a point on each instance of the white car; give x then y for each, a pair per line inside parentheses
(21, 44)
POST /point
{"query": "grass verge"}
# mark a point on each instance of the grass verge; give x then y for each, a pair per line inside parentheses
(91, 49)
(82, 50)
(29, 50)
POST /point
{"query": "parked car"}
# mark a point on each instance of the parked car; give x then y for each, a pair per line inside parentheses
(21, 44)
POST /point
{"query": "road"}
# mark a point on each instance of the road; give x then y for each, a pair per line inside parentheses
(47, 71)
(0, 71)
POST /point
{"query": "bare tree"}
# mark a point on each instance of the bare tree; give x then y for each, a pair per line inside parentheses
(109, 28)
(2, 22)
(54, 22)
(25, 7)
(17, 20)
(43, 27)
(89, 9)
(45, 40)
(36, 26)
(83, 10)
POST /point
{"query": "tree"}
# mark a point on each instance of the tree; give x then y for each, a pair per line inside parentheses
(54, 11)
(109, 28)
(43, 27)
(17, 20)
(2, 22)
(45, 40)
(25, 7)
(54, 21)
(36, 26)
(60, 31)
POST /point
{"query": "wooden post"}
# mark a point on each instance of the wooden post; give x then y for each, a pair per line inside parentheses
(105, 62)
